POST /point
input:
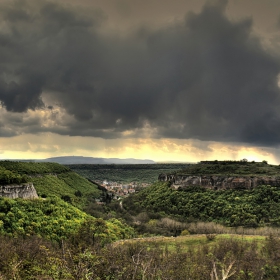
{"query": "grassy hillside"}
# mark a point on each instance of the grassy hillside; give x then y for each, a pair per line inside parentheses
(125, 173)
(69, 186)
(51, 179)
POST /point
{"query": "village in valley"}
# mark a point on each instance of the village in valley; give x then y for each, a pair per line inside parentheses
(120, 190)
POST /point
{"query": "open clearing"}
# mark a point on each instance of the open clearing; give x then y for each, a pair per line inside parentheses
(189, 241)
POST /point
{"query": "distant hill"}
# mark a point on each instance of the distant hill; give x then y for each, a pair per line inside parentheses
(92, 160)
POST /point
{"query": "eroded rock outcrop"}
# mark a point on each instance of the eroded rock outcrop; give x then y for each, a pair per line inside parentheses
(26, 191)
(219, 182)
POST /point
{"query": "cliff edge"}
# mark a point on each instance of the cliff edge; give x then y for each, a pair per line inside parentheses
(26, 190)
(219, 182)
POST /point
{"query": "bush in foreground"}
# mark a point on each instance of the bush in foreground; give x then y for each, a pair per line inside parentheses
(37, 258)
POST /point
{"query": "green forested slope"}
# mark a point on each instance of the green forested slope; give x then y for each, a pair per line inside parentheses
(257, 207)
(69, 186)
(54, 219)
(32, 168)
(11, 177)
(231, 168)
(50, 179)
(50, 216)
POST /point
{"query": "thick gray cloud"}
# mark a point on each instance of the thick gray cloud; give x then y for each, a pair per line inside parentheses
(205, 77)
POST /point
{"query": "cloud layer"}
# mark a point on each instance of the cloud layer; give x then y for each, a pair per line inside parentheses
(205, 77)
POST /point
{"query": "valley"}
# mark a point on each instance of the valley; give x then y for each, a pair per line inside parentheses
(77, 225)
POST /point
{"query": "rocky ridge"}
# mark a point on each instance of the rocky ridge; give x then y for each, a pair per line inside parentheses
(26, 190)
(219, 182)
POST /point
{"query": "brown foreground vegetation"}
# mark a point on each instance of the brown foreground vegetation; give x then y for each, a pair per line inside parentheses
(191, 257)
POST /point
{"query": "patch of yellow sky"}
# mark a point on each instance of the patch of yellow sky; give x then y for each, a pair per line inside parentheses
(46, 145)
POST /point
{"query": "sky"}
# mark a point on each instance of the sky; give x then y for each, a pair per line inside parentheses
(180, 80)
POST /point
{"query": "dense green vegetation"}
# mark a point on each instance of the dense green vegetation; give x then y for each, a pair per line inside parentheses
(125, 173)
(53, 219)
(231, 168)
(11, 177)
(33, 168)
(257, 207)
(50, 216)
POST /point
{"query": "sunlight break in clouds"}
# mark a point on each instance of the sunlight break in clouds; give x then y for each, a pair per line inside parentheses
(161, 150)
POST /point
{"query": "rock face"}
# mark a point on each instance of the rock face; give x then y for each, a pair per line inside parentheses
(19, 191)
(219, 182)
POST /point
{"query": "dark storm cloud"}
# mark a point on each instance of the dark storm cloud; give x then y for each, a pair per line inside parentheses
(206, 77)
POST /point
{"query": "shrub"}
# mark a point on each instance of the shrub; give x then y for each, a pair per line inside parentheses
(185, 232)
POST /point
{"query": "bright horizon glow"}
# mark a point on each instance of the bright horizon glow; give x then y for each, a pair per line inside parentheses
(48, 145)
